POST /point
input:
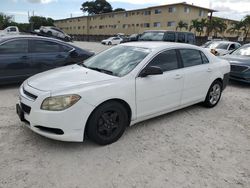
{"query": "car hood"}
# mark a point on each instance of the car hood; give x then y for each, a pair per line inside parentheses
(222, 51)
(66, 77)
(237, 59)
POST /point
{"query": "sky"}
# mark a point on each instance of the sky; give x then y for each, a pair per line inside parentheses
(59, 9)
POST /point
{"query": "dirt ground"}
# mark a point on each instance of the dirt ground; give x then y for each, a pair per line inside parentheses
(189, 148)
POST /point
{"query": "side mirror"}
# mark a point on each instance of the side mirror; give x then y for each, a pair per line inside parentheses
(151, 70)
(73, 53)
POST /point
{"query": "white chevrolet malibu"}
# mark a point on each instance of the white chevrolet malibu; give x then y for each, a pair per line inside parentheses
(119, 87)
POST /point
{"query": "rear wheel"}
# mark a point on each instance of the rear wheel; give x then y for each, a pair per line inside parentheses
(214, 94)
(107, 123)
(49, 33)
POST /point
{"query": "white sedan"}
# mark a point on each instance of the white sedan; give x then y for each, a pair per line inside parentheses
(119, 87)
(112, 41)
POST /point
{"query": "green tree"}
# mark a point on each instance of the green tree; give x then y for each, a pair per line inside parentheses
(217, 25)
(38, 21)
(181, 25)
(5, 20)
(246, 26)
(119, 10)
(236, 27)
(96, 7)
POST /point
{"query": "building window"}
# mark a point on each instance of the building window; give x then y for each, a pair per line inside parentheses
(186, 9)
(157, 11)
(157, 24)
(126, 14)
(79, 27)
(137, 25)
(171, 24)
(138, 13)
(147, 12)
(201, 13)
(124, 26)
(171, 9)
(146, 24)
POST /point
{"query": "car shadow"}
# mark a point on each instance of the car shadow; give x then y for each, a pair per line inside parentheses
(88, 145)
(239, 84)
(10, 86)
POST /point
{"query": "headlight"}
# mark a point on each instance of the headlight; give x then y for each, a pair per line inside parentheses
(59, 103)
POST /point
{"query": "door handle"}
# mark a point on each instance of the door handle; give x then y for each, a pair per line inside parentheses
(177, 76)
(60, 56)
(209, 70)
(24, 57)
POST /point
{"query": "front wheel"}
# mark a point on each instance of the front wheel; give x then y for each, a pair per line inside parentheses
(214, 94)
(107, 123)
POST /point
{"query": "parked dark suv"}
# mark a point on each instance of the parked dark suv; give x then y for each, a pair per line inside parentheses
(168, 36)
(23, 56)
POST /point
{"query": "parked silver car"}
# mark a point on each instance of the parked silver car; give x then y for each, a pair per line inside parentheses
(222, 47)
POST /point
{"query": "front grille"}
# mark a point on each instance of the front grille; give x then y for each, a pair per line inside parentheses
(25, 108)
(30, 95)
(239, 68)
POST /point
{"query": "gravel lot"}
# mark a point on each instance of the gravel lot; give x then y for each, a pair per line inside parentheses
(189, 148)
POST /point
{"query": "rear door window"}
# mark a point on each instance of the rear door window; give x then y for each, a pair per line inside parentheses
(42, 46)
(191, 57)
(181, 37)
(170, 37)
(14, 47)
(190, 39)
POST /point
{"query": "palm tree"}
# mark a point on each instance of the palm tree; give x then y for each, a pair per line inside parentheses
(181, 25)
(198, 26)
(236, 27)
(195, 24)
(217, 25)
(246, 26)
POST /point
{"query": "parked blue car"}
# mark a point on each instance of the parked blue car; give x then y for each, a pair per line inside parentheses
(23, 56)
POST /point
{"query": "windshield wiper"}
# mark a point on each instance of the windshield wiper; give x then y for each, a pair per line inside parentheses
(101, 70)
(81, 64)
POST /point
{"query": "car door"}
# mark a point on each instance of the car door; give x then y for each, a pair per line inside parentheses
(14, 60)
(159, 93)
(116, 40)
(198, 74)
(47, 55)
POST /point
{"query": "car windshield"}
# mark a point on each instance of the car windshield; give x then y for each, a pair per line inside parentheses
(152, 36)
(117, 61)
(211, 45)
(244, 50)
(222, 46)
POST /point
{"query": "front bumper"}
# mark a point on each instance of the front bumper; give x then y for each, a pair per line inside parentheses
(66, 125)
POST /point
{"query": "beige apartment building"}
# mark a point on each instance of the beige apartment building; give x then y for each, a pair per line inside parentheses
(164, 17)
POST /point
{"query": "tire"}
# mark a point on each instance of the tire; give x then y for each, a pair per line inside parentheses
(107, 123)
(109, 43)
(49, 33)
(213, 94)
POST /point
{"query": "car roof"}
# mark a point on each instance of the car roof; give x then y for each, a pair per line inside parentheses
(160, 31)
(159, 45)
(226, 42)
(4, 38)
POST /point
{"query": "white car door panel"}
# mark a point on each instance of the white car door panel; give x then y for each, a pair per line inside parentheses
(197, 76)
(158, 93)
